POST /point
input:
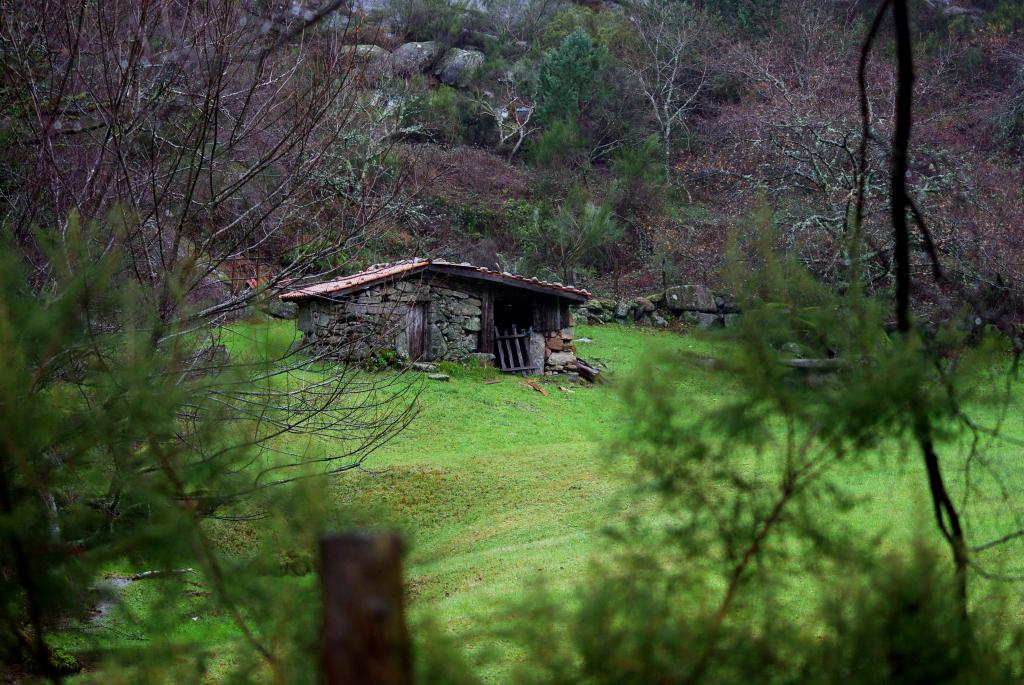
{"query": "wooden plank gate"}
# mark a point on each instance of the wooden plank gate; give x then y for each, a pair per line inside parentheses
(513, 350)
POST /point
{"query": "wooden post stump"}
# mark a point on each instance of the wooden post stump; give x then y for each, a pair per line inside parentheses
(365, 641)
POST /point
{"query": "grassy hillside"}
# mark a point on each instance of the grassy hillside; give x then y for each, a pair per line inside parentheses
(496, 485)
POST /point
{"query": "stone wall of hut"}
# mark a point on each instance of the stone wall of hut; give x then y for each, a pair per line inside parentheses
(361, 325)
(454, 325)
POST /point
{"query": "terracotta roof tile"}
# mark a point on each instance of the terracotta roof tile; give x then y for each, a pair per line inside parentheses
(381, 272)
(513, 278)
(378, 272)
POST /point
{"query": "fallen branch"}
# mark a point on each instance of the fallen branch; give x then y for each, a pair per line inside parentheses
(535, 386)
(813, 364)
(587, 372)
(144, 575)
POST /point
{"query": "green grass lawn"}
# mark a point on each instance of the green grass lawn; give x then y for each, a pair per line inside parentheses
(495, 484)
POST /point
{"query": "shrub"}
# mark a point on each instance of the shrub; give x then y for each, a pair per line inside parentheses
(381, 361)
(608, 28)
(639, 176)
(1008, 16)
(448, 116)
(441, 20)
(441, 114)
(1009, 119)
(573, 237)
(560, 145)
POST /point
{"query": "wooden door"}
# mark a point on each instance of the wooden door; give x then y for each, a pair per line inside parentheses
(417, 329)
(487, 321)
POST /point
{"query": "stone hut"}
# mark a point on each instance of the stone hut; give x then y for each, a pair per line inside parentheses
(430, 310)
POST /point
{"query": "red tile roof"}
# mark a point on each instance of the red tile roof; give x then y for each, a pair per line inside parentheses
(372, 275)
(398, 270)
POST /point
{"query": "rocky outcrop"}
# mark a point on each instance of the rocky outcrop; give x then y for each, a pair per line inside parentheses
(415, 58)
(954, 8)
(371, 61)
(457, 66)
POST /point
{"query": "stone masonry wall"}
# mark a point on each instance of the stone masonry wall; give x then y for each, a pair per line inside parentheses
(559, 351)
(454, 322)
(359, 326)
(694, 305)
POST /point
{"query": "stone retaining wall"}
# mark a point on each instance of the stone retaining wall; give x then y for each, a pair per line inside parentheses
(454, 322)
(695, 305)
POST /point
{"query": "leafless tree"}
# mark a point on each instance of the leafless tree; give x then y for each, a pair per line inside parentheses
(511, 115)
(669, 63)
(797, 135)
(209, 155)
(519, 19)
(907, 218)
(222, 150)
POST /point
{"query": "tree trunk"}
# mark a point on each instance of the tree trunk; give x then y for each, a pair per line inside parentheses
(946, 515)
(364, 634)
(667, 135)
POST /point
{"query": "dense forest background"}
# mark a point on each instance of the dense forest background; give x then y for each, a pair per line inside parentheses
(612, 144)
(682, 121)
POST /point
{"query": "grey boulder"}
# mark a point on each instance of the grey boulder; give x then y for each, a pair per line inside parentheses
(481, 358)
(415, 58)
(709, 320)
(366, 54)
(690, 298)
(282, 310)
(457, 66)
(644, 305)
(561, 358)
(372, 60)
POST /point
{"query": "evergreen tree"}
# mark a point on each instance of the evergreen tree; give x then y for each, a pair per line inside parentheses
(574, 236)
(128, 447)
(569, 79)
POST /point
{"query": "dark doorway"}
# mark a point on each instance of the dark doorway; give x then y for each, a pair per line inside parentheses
(513, 323)
(416, 325)
(513, 311)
